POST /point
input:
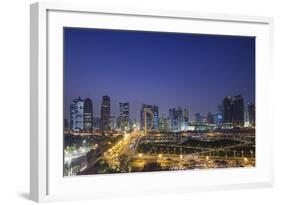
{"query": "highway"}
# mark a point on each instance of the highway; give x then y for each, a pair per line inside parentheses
(127, 146)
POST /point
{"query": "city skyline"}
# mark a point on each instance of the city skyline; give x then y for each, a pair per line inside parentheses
(118, 84)
(182, 73)
(231, 114)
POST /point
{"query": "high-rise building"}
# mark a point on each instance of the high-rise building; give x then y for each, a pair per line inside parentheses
(237, 111)
(96, 123)
(105, 113)
(164, 123)
(210, 118)
(76, 114)
(252, 114)
(112, 122)
(184, 120)
(155, 110)
(178, 119)
(173, 116)
(134, 124)
(88, 115)
(149, 117)
(124, 115)
(227, 110)
(233, 111)
(198, 119)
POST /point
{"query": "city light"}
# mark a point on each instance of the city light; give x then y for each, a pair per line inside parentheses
(156, 112)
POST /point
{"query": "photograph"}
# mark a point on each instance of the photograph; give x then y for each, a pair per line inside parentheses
(147, 101)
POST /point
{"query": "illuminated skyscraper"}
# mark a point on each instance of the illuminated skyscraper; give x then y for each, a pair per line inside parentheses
(149, 117)
(185, 119)
(88, 115)
(227, 110)
(155, 110)
(198, 119)
(237, 111)
(112, 122)
(233, 110)
(124, 115)
(210, 118)
(173, 119)
(164, 123)
(76, 114)
(178, 119)
(105, 113)
(96, 123)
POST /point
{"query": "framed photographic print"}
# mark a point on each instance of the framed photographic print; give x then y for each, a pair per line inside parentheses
(127, 102)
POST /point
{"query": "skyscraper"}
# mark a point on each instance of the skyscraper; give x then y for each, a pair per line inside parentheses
(88, 115)
(105, 113)
(210, 118)
(252, 114)
(238, 111)
(173, 119)
(227, 110)
(76, 114)
(124, 115)
(149, 117)
(198, 119)
(185, 119)
(178, 119)
(164, 122)
(233, 110)
(155, 110)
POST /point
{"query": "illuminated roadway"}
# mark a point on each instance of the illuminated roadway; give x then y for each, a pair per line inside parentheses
(129, 143)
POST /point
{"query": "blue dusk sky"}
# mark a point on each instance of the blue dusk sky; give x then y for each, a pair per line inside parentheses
(165, 69)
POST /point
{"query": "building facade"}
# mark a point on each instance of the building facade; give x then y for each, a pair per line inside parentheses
(178, 118)
(124, 115)
(227, 110)
(76, 115)
(149, 117)
(105, 113)
(238, 111)
(88, 115)
(164, 124)
(233, 111)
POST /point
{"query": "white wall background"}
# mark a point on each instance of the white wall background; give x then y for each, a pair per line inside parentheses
(14, 101)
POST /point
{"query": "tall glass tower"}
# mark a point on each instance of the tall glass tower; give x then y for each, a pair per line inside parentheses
(105, 113)
(76, 114)
(124, 115)
(88, 115)
(149, 117)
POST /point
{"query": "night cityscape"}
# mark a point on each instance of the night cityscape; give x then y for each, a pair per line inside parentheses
(138, 101)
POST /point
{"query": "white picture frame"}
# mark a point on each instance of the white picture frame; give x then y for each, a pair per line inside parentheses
(46, 179)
